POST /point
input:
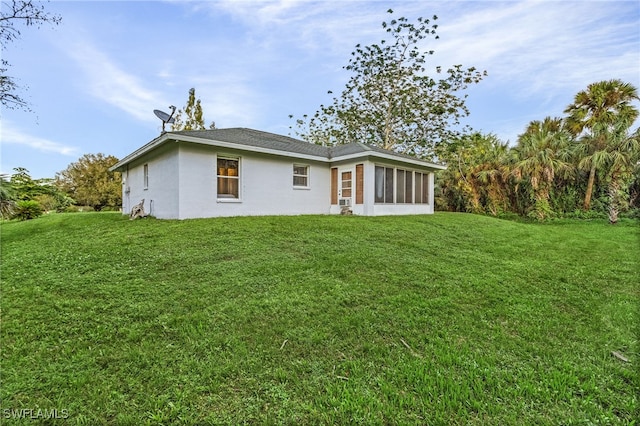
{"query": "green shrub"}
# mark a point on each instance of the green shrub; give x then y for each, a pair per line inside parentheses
(509, 216)
(631, 214)
(47, 201)
(586, 215)
(26, 210)
(76, 209)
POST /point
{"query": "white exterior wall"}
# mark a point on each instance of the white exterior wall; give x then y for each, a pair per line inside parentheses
(183, 185)
(161, 194)
(266, 185)
(197, 182)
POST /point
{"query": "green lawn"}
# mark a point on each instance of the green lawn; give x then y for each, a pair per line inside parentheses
(448, 319)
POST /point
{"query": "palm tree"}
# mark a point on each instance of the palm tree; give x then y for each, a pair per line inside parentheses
(475, 180)
(542, 152)
(493, 172)
(621, 160)
(594, 114)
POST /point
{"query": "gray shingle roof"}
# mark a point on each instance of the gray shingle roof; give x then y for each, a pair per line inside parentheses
(270, 141)
(357, 148)
(259, 139)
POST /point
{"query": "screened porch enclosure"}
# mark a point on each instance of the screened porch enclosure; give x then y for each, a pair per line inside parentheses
(400, 186)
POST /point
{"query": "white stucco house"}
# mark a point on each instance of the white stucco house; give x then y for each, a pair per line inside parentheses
(243, 172)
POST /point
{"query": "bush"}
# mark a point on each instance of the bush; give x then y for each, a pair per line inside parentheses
(26, 210)
(47, 201)
(586, 215)
(631, 214)
(76, 209)
(509, 216)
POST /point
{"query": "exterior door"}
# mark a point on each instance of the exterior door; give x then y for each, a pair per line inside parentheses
(345, 193)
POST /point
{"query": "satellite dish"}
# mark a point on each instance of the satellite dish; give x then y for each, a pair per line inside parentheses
(166, 118)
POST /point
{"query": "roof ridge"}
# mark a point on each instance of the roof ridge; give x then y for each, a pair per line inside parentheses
(364, 145)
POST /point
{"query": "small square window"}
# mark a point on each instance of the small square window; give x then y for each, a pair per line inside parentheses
(300, 176)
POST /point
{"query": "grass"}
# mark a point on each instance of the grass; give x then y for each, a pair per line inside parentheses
(447, 319)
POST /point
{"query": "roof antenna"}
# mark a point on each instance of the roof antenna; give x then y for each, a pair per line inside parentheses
(166, 118)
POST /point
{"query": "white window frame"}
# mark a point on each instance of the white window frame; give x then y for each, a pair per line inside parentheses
(306, 176)
(145, 176)
(225, 198)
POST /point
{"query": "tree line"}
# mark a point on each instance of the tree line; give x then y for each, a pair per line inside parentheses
(585, 164)
(85, 184)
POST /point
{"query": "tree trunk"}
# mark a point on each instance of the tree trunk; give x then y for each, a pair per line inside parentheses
(542, 208)
(587, 196)
(614, 200)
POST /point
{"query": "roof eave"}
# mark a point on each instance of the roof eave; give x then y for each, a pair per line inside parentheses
(119, 166)
(391, 157)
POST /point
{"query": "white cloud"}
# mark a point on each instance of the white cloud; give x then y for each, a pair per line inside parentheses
(546, 46)
(328, 27)
(534, 46)
(15, 136)
(111, 84)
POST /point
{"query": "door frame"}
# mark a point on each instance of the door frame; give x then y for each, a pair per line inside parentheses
(341, 171)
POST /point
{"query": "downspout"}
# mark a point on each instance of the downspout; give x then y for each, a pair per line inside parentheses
(126, 202)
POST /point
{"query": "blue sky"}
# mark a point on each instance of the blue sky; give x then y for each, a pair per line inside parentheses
(95, 79)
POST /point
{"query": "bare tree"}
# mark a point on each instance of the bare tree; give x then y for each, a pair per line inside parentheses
(12, 15)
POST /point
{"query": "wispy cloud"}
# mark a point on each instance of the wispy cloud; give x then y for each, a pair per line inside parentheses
(540, 45)
(546, 46)
(329, 27)
(11, 135)
(107, 81)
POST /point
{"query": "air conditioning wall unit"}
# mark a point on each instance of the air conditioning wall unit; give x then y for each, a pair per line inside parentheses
(345, 202)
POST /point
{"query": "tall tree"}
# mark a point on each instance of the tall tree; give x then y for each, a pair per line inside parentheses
(543, 151)
(390, 101)
(89, 181)
(29, 13)
(595, 114)
(494, 175)
(194, 118)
